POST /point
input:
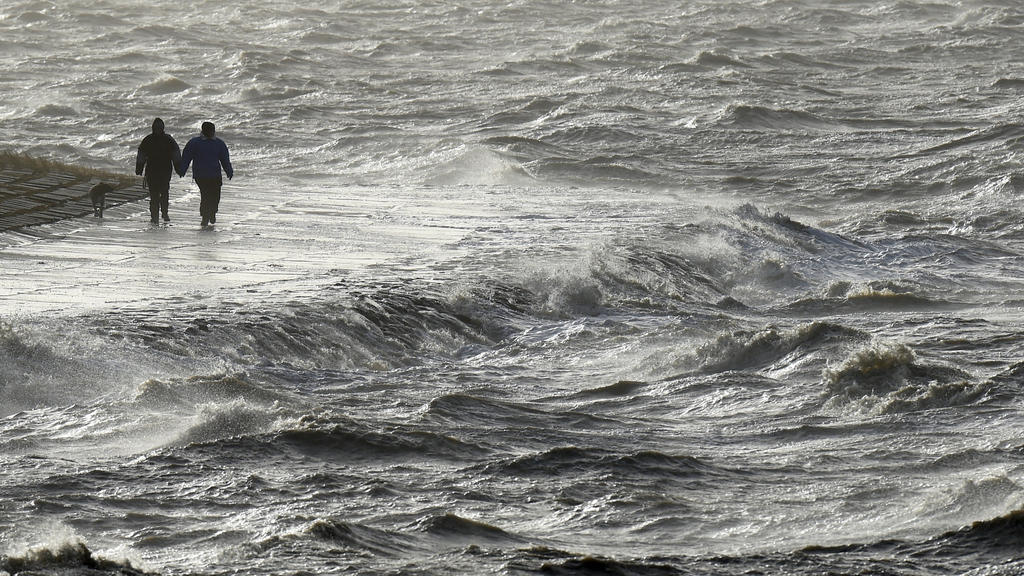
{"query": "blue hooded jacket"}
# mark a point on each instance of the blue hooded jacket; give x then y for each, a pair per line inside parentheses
(207, 155)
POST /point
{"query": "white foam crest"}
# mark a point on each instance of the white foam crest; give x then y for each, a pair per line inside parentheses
(221, 421)
(566, 287)
(887, 377)
(49, 545)
(478, 166)
(969, 500)
(46, 533)
(164, 86)
(776, 351)
(36, 372)
(870, 371)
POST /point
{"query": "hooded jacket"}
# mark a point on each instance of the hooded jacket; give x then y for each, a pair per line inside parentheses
(206, 154)
(159, 155)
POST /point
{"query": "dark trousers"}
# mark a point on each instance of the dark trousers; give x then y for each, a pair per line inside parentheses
(209, 196)
(159, 197)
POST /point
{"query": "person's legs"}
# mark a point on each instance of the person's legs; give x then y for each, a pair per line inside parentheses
(209, 193)
(158, 193)
(154, 203)
(203, 199)
(165, 202)
(215, 200)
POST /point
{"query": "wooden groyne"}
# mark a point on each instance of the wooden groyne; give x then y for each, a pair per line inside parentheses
(35, 191)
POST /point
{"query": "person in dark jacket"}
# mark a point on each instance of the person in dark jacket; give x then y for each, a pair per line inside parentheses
(159, 156)
(207, 154)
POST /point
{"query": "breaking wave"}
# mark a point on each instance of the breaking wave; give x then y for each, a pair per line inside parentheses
(747, 117)
(451, 526)
(1003, 532)
(746, 350)
(479, 166)
(846, 297)
(887, 377)
(38, 373)
(165, 86)
(66, 558)
(355, 536)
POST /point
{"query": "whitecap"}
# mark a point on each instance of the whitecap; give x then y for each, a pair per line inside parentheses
(56, 111)
(166, 85)
(480, 166)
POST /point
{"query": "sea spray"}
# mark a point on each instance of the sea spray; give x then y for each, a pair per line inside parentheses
(889, 377)
(61, 552)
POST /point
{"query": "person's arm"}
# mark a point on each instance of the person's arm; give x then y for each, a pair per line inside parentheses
(225, 160)
(176, 157)
(186, 159)
(140, 160)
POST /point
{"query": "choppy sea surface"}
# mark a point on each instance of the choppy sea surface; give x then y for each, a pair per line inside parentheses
(646, 288)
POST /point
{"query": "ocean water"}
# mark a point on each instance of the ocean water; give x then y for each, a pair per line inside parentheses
(646, 288)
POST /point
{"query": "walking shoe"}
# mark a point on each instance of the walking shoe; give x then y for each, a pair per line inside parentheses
(205, 221)
(213, 218)
(167, 218)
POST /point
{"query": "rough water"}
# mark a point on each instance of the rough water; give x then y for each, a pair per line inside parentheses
(647, 288)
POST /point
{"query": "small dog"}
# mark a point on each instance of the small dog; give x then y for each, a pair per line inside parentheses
(98, 195)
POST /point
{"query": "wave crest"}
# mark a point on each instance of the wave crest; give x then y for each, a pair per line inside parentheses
(716, 60)
(72, 557)
(359, 537)
(846, 296)
(168, 85)
(56, 111)
(349, 440)
(1000, 533)
(451, 526)
(887, 377)
(204, 389)
(480, 166)
(870, 370)
(745, 350)
(217, 422)
(752, 117)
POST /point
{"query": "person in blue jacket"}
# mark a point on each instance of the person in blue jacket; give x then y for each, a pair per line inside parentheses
(207, 154)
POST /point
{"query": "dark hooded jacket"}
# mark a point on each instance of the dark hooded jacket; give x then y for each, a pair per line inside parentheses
(158, 154)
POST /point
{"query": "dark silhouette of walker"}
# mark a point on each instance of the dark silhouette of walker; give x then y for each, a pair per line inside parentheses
(159, 156)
